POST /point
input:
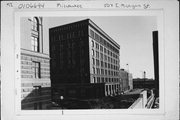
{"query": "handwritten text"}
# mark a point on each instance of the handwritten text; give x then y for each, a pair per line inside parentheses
(31, 6)
(126, 6)
(60, 5)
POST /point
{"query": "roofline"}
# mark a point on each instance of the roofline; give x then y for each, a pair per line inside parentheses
(100, 30)
(90, 22)
(68, 24)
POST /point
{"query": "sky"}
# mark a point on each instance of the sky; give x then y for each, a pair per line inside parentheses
(132, 33)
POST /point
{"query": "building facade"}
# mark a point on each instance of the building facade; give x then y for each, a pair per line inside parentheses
(84, 60)
(126, 79)
(144, 83)
(130, 77)
(35, 66)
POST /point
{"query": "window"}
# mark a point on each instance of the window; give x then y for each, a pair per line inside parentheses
(98, 79)
(93, 61)
(101, 48)
(92, 52)
(35, 34)
(91, 33)
(36, 70)
(102, 80)
(105, 57)
(97, 46)
(98, 71)
(97, 37)
(109, 72)
(101, 40)
(92, 43)
(102, 64)
(105, 64)
(106, 88)
(102, 71)
(94, 79)
(35, 24)
(105, 72)
(106, 80)
(97, 54)
(109, 65)
(104, 50)
(97, 62)
(34, 43)
(101, 56)
(94, 70)
(108, 59)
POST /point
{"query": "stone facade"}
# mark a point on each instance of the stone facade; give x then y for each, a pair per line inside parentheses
(35, 67)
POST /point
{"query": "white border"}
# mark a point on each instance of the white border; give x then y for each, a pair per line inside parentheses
(157, 13)
(9, 109)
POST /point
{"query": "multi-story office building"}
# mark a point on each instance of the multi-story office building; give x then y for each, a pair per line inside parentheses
(35, 68)
(84, 60)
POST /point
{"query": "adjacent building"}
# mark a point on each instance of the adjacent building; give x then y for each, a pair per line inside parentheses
(35, 68)
(127, 80)
(84, 61)
(130, 77)
(144, 83)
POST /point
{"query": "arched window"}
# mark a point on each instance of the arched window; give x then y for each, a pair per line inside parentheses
(35, 24)
(35, 34)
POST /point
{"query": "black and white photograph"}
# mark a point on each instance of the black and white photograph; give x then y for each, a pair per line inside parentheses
(84, 60)
(94, 62)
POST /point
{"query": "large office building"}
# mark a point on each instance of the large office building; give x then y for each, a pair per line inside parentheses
(35, 66)
(84, 61)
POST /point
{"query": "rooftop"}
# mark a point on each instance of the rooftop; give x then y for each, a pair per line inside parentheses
(96, 27)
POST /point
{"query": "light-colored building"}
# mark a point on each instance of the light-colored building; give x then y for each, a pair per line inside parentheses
(130, 77)
(126, 80)
(35, 66)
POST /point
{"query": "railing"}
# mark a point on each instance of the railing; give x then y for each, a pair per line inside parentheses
(150, 101)
(140, 102)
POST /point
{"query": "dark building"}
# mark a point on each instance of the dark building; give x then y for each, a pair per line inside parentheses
(84, 61)
(144, 83)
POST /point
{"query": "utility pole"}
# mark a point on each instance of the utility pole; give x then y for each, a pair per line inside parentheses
(144, 77)
(127, 75)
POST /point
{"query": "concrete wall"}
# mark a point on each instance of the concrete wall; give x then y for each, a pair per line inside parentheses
(140, 102)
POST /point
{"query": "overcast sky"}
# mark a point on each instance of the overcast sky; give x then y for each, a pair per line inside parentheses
(132, 33)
